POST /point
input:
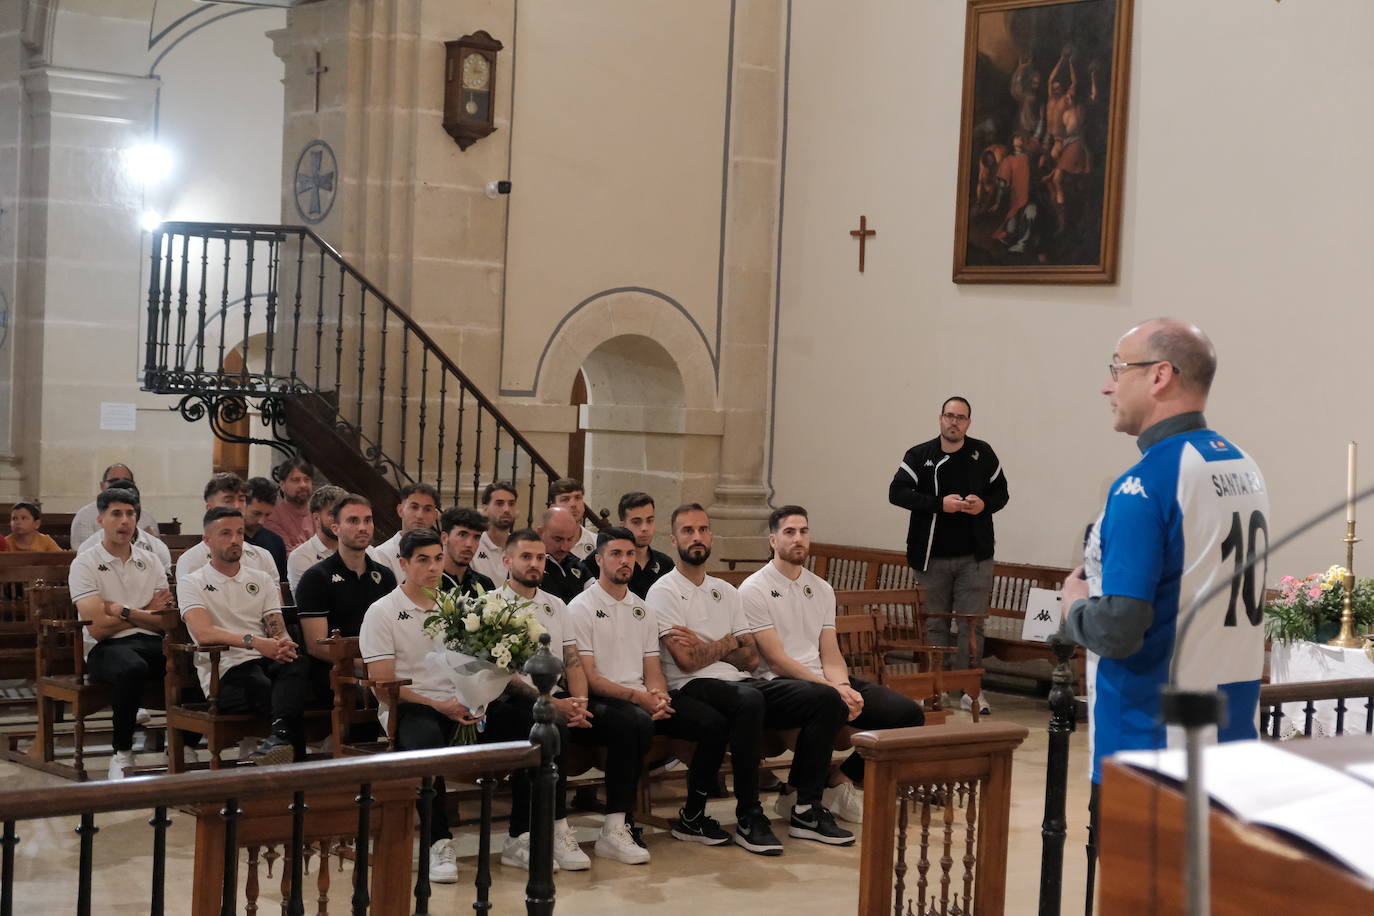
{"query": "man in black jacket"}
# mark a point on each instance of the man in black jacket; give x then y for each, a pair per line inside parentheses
(952, 485)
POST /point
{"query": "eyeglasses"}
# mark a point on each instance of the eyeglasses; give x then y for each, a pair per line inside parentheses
(955, 417)
(1115, 368)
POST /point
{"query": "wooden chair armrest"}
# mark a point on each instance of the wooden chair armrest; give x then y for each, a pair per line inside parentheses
(394, 683)
(65, 623)
(925, 613)
(905, 646)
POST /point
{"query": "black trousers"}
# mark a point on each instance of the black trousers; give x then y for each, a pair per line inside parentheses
(696, 720)
(741, 709)
(419, 727)
(883, 708)
(511, 718)
(815, 709)
(625, 731)
(127, 665)
(279, 689)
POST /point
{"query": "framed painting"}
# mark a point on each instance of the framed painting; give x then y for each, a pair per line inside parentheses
(1042, 141)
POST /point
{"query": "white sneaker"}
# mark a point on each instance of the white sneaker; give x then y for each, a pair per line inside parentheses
(143, 716)
(984, 707)
(845, 801)
(443, 862)
(121, 761)
(246, 747)
(516, 852)
(617, 843)
(189, 756)
(566, 853)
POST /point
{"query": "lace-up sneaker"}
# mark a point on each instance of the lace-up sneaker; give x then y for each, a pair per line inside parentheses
(443, 863)
(700, 829)
(846, 801)
(119, 762)
(754, 833)
(817, 823)
(516, 851)
(274, 749)
(617, 843)
(566, 852)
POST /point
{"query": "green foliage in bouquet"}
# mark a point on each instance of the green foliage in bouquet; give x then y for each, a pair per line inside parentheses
(488, 626)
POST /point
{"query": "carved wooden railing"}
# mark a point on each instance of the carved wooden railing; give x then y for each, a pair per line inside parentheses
(937, 802)
(269, 794)
(1309, 693)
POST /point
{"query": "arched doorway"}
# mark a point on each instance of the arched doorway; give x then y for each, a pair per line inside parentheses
(635, 424)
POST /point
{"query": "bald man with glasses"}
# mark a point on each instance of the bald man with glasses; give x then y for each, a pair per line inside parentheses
(952, 485)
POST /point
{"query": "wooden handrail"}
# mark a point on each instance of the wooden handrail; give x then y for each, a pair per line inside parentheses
(970, 740)
(248, 782)
(1342, 689)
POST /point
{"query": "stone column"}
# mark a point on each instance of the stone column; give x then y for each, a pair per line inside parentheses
(11, 102)
(746, 359)
(411, 210)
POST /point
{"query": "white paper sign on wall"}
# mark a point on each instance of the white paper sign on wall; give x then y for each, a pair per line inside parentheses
(116, 416)
(1042, 615)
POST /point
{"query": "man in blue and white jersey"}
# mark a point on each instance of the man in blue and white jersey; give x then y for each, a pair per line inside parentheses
(1186, 517)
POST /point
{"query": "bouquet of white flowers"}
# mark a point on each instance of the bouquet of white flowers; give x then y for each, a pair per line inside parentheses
(487, 637)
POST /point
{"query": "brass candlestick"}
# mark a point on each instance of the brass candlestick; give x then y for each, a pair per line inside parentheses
(1347, 638)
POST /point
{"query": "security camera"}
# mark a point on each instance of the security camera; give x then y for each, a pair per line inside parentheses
(497, 188)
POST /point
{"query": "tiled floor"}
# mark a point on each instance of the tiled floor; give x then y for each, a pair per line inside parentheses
(682, 879)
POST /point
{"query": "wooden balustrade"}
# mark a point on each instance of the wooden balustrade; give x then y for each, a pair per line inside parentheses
(936, 799)
(1308, 693)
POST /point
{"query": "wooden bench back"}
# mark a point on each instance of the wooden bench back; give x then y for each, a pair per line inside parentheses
(58, 646)
(855, 568)
(857, 635)
(898, 610)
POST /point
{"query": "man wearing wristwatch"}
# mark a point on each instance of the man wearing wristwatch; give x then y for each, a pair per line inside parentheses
(229, 604)
(120, 588)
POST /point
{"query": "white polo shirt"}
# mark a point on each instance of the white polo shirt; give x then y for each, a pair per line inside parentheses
(86, 522)
(303, 557)
(142, 540)
(586, 544)
(713, 609)
(388, 554)
(552, 615)
(394, 627)
(487, 560)
(237, 603)
(253, 557)
(617, 634)
(798, 611)
(131, 582)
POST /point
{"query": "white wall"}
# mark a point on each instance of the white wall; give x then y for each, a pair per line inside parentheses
(1245, 210)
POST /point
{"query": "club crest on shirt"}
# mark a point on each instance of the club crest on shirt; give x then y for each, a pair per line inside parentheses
(806, 590)
(377, 576)
(577, 573)
(548, 609)
(715, 593)
(140, 564)
(251, 587)
(638, 612)
(655, 567)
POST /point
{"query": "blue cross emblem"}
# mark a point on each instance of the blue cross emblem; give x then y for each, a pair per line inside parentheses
(316, 169)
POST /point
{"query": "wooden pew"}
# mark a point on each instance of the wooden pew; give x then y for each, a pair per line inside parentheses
(18, 628)
(1011, 585)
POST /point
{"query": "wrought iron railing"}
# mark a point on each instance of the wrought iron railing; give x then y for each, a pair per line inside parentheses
(310, 328)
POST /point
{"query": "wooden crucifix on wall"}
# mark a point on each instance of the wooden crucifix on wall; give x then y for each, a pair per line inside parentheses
(317, 71)
(862, 234)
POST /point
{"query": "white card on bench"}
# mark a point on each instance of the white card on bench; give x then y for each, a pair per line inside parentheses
(1042, 615)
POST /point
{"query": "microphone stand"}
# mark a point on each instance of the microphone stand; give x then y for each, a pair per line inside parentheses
(1195, 711)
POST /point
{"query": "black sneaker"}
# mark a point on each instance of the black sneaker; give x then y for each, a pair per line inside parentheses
(755, 834)
(701, 829)
(272, 750)
(818, 824)
(636, 832)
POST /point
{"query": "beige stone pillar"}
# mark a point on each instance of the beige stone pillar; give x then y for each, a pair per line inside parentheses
(751, 240)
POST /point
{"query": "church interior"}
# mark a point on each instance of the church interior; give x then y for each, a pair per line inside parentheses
(699, 250)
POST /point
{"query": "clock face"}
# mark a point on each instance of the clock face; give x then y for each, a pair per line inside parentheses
(476, 72)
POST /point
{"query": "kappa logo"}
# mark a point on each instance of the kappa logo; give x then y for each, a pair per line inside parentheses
(1043, 616)
(210, 588)
(929, 463)
(402, 615)
(103, 568)
(338, 578)
(638, 612)
(481, 554)
(775, 593)
(601, 613)
(1131, 486)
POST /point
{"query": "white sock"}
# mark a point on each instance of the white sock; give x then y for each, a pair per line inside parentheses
(614, 820)
(800, 809)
